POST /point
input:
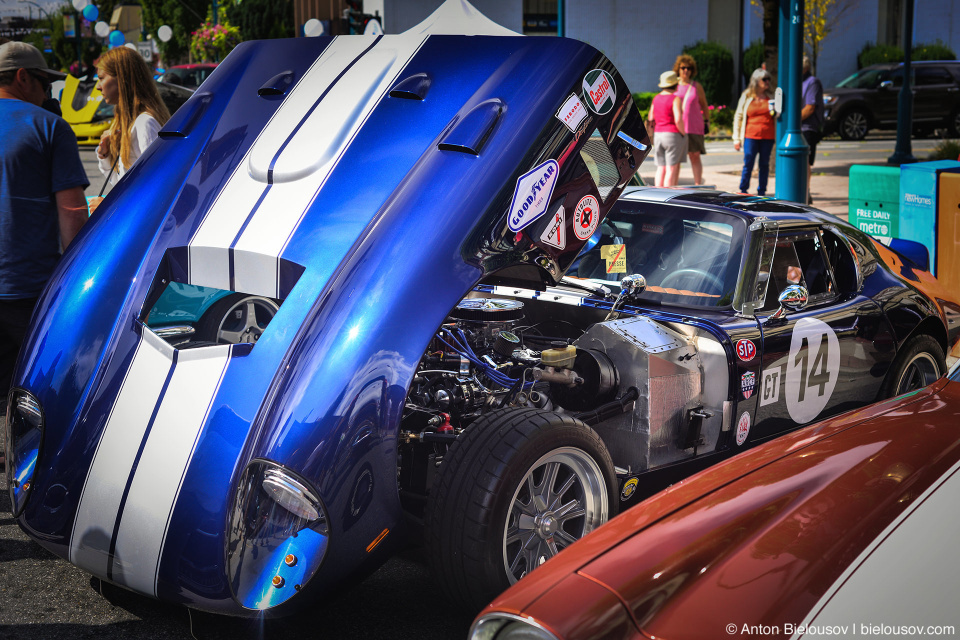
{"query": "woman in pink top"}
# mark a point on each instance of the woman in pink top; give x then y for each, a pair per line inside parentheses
(694, 103)
(669, 142)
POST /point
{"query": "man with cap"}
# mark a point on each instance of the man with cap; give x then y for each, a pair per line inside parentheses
(42, 205)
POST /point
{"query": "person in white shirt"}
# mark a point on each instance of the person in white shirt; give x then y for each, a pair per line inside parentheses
(139, 113)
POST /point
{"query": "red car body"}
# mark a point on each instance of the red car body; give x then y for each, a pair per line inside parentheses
(851, 521)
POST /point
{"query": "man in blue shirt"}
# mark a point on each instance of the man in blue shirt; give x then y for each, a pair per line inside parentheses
(811, 116)
(42, 205)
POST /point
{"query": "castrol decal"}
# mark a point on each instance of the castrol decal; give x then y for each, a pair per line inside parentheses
(599, 91)
(532, 195)
(586, 217)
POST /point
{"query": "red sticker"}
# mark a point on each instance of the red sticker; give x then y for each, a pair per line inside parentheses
(745, 350)
(743, 428)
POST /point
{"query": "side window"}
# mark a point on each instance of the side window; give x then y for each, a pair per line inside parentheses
(843, 261)
(800, 259)
(928, 76)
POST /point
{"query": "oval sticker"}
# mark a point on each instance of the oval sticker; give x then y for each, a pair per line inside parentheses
(746, 350)
(743, 428)
(586, 217)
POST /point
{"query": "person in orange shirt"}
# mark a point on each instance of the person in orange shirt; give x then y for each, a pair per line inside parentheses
(754, 128)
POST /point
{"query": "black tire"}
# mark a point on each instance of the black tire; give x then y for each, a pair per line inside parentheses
(491, 474)
(918, 364)
(235, 319)
(853, 125)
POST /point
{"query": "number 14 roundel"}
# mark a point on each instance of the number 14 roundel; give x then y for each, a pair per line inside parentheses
(813, 367)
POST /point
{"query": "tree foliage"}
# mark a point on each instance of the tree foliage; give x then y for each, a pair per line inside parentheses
(263, 19)
(182, 16)
(819, 21)
(753, 57)
(714, 70)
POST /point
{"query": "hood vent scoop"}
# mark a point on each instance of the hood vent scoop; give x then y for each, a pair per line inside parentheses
(277, 85)
(471, 132)
(414, 87)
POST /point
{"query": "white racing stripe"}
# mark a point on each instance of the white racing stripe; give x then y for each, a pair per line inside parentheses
(160, 409)
(297, 151)
(165, 458)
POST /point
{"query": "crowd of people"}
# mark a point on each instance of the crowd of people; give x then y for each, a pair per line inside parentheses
(679, 120)
(42, 179)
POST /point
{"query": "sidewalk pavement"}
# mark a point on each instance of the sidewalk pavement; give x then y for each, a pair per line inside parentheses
(722, 167)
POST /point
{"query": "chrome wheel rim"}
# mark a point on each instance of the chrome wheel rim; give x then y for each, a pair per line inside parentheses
(855, 125)
(246, 320)
(562, 497)
(919, 372)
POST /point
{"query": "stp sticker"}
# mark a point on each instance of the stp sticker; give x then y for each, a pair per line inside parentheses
(748, 383)
(555, 235)
(572, 112)
(629, 488)
(743, 428)
(532, 195)
(599, 91)
(746, 350)
(586, 217)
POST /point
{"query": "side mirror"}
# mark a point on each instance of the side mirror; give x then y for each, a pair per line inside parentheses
(793, 298)
(886, 85)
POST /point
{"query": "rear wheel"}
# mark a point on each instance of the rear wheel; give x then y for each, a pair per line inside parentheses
(515, 489)
(853, 125)
(918, 364)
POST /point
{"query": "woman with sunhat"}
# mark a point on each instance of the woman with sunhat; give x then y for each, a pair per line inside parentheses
(669, 141)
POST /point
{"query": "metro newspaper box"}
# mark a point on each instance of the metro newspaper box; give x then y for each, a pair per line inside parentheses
(920, 194)
(874, 200)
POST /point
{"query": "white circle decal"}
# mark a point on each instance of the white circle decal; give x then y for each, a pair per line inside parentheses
(743, 428)
(813, 367)
(586, 217)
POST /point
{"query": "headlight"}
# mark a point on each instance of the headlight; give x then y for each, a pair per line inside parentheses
(506, 626)
(23, 438)
(828, 99)
(277, 536)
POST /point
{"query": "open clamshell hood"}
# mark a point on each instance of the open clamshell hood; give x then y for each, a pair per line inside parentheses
(366, 184)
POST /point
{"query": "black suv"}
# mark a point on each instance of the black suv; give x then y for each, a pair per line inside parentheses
(869, 99)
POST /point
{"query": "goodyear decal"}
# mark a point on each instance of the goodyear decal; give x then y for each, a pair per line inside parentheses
(599, 91)
(629, 488)
(532, 195)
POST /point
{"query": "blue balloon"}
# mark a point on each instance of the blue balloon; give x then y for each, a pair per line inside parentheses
(90, 12)
(116, 38)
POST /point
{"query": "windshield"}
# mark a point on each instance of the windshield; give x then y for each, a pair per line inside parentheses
(688, 256)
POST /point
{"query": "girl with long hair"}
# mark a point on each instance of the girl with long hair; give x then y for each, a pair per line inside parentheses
(138, 112)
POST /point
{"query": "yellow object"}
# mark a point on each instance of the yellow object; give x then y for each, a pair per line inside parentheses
(80, 113)
(616, 257)
(948, 231)
(559, 358)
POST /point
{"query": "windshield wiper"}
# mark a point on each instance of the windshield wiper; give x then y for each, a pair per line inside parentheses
(586, 285)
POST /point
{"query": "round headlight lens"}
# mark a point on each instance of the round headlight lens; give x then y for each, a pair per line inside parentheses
(505, 626)
(277, 537)
(23, 437)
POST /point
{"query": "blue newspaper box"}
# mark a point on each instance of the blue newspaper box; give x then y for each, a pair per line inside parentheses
(919, 194)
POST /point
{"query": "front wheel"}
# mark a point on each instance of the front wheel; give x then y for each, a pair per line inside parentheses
(853, 125)
(235, 319)
(919, 363)
(518, 487)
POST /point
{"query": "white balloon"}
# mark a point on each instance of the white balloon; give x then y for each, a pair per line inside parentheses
(164, 33)
(102, 29)
(312, 28)
(80, 4)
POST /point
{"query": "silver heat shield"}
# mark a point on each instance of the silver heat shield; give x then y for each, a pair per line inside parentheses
(666, 369)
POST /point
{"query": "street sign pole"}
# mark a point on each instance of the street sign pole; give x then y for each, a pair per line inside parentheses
(793, 149)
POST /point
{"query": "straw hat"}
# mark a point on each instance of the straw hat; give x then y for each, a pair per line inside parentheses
(668, 79)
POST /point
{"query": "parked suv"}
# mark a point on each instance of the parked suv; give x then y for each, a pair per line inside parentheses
(869, 99)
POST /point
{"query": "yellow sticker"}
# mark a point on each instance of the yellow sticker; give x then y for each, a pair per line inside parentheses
(616, 257)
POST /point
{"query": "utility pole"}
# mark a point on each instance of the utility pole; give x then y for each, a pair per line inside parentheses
(793, 150)
(903, 153)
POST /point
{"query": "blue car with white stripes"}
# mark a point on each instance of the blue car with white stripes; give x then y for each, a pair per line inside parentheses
(330, 314)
